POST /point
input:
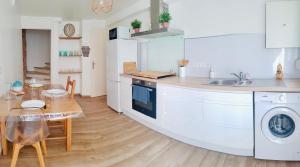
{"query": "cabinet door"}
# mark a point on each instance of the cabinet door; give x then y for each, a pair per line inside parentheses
(283, 24)
(126, 94)
(180, 111)
(229, 117)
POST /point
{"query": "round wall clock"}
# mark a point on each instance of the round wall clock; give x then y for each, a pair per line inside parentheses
(69, 30)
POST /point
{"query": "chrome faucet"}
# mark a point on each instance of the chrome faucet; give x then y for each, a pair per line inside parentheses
(241, 76)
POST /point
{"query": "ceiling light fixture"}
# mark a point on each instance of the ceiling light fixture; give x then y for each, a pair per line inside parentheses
(102, 6)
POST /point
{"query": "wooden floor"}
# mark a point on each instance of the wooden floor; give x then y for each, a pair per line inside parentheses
(106, 139)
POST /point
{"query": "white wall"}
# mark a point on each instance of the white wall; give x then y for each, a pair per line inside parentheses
(238, 52)
(70, 63)
(53, 24)
(38, 48)
(144, 16)
(227, 35)
(200, 18)
(11, 67)
(129, 13)
(169, 50)
(46, 23)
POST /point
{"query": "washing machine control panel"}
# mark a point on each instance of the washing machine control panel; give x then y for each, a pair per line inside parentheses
(281, 98)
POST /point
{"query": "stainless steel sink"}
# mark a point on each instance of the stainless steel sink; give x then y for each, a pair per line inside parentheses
(244, 83)
(224, 82)
(229, 82)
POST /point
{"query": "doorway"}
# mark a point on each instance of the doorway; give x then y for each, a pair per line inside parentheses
(36, 55)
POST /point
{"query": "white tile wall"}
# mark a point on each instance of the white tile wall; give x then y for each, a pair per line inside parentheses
(238, 52)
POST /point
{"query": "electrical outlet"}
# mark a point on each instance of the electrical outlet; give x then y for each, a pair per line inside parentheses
(199, 65)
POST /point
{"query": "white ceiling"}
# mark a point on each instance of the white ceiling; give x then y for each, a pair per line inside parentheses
(67, 9)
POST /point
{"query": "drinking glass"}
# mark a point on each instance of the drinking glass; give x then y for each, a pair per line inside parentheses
(5, 91)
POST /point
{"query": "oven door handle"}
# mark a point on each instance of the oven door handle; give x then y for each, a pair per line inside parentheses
(149, 89)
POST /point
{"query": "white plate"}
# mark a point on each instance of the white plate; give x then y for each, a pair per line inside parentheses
(36, 85)
(56, 91)
(33, 104)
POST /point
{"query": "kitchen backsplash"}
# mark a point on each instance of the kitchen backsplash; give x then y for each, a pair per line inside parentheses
(163, 54)
(238, 52)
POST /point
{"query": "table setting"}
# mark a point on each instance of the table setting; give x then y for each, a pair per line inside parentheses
(33, 102)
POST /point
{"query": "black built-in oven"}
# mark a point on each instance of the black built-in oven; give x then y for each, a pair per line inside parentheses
(144, 97)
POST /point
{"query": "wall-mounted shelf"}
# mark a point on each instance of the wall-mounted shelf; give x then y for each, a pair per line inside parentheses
(70, 72)
(70, 56)
(70, 38)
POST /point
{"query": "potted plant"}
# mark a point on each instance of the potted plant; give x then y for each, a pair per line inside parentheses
(136, 25)
(164, 19)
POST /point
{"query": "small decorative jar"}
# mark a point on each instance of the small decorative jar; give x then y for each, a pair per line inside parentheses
(17, 86)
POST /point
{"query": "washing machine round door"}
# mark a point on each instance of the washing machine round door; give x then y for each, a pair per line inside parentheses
(280, 125)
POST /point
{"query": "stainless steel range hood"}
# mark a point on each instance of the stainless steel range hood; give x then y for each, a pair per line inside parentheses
(157, 7)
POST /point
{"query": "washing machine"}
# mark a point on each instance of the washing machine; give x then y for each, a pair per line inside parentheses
(277, 126)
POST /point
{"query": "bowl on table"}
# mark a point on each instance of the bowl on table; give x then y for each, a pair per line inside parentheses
(55, 92)
(33, 104)
(36, 85)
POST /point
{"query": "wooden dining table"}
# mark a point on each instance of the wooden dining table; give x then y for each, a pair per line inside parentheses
(64, 107)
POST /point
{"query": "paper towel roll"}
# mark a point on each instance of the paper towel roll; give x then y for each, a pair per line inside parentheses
(182, 72)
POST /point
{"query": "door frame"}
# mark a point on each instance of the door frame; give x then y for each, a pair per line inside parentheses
(24, 53)
(46, 23)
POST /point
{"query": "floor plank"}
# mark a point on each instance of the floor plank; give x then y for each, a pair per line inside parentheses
(104, 138)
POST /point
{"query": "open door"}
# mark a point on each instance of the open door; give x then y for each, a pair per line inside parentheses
(98, 59)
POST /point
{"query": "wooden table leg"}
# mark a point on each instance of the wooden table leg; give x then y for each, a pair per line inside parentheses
(69, 134)
(3, 137)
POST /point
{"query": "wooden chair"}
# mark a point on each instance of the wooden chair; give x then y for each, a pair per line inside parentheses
(65, 123)
(71, 84)
(22, 133)
(39, 146)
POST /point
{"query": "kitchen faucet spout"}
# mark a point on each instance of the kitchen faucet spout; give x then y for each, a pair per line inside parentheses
(241, 76)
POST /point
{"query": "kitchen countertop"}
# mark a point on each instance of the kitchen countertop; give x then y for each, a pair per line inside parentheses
(258, 85)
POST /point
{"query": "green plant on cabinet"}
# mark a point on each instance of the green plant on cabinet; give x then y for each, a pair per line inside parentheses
(136, 25)
(165, 19)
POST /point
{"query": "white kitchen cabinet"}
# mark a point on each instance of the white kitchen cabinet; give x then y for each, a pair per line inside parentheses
(229, 118)
(283, 24)
(180, 110)
(213, 120)
(126, 94)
